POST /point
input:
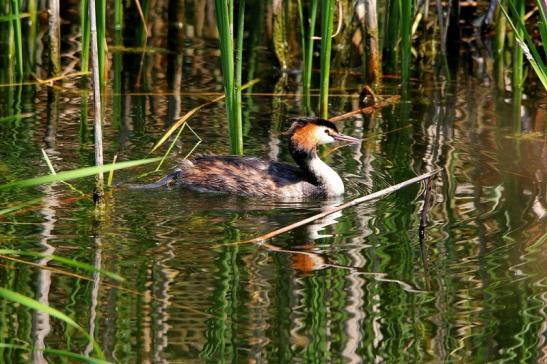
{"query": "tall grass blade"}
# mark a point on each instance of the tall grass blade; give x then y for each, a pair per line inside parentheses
(327, 17)
(101, 40)
(13, 17)
(86, 33)
(52, 171)
(237, 124)
(499, 46)
(224, 18)
(48, 162)
(542, 24)
(61, 353)
(173, 142)
(16, 9)
(98, 122)
(38, 306)
(66, 261)
(406, 38)
(391, 31)
(307, 49)
(20, 206)
(525, 44)
(111, 172)
(518, 53)
(74, 174)
(32, 8)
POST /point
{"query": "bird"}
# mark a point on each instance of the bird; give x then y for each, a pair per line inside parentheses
(252, 176)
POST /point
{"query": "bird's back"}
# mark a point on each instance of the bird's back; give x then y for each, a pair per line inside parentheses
(247, 176)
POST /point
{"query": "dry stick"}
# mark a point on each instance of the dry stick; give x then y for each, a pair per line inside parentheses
(96, 95)
(49, 81)
(367, 110)
(351, 203)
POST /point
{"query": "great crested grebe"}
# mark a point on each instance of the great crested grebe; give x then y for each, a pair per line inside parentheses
(250, 176)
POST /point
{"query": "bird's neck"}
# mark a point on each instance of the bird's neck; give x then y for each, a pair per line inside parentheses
(319, 172)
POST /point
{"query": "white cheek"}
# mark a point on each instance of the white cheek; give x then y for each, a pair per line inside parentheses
(323, 138)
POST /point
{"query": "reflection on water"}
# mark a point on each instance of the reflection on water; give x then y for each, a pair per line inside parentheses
(354, 287)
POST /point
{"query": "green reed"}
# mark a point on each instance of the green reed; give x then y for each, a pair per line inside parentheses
(101, 40)
(327, 17)
(97, 85)
(15, 10)
(514, 13)
(29, 302)
(32, 7)
(231, 74)
(307, 34)
(518, 55)
(117, 60)
(85, 32)
(74, 174)
(143, 7)
(238, 66)
(391, 31)
(406, 39)
(499, 48)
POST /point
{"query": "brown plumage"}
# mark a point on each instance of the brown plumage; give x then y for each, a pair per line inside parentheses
(250, 176)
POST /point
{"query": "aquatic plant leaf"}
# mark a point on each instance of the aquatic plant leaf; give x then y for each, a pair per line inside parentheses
(74, 174)
(63, 260)
(9, 210)
(525, 42)
(38, 306)
(63, 353)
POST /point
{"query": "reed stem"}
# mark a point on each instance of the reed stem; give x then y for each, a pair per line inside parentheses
(226, 40)
(392, 31)
(101, 41)
(518, 56)
(306, 35)
(15, 10)
(499, 42)
(96, 95)
(406, 38)
(327, 17)
(33, 28)
(238, 135)
(85, 31)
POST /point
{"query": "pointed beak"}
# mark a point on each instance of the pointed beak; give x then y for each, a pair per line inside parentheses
(346, 138)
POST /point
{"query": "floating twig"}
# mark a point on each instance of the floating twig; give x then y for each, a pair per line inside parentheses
(372, 196)
(367, 110)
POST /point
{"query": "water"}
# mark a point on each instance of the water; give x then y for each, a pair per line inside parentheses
(358, 286)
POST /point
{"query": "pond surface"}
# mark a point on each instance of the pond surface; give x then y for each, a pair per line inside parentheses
(358, 286)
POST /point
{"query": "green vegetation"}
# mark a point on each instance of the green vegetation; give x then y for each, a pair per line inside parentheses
(148, 105)
(231, 72)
